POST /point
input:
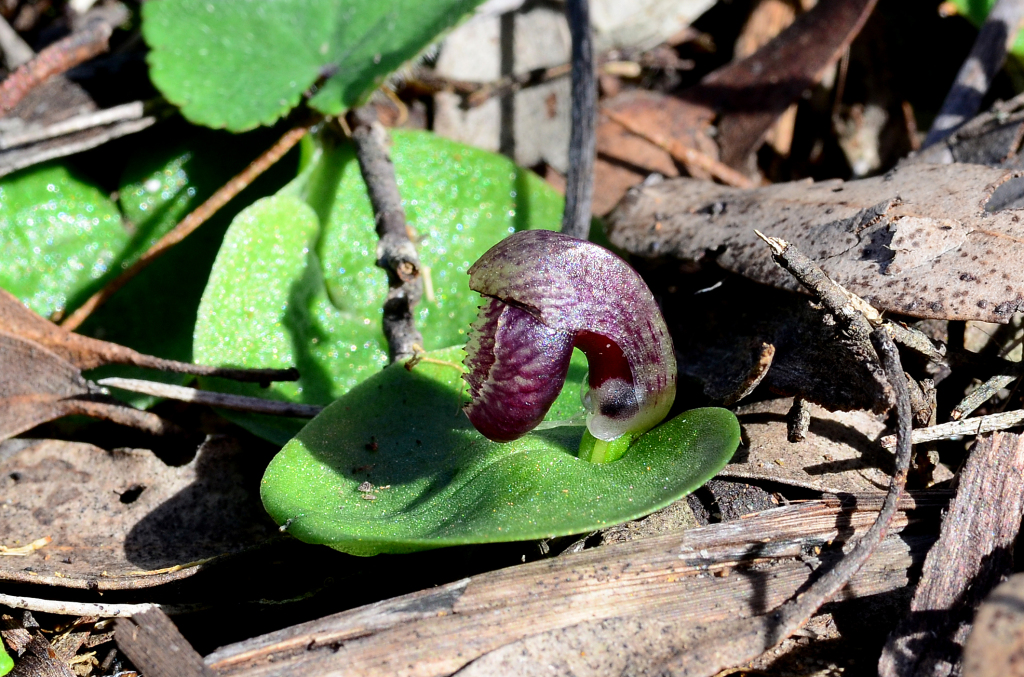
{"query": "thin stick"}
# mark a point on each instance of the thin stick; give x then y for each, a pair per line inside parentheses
(77, 123)
(579, 182)
(16, 51)
(967, 426)
(396, 253)
(795, 613)
(987, 55)
(690, 157)
(981, 395)
(100, 609)
(61, 56)
(197, 218)
(225, 401)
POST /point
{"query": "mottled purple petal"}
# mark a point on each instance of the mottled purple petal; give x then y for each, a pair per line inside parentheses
(516, 367)
(579, 290)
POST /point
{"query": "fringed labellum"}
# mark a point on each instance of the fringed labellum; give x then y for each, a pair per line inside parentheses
(546, 294)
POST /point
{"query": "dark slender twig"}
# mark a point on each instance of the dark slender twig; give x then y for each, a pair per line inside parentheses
(986, 58)
(579, 183)
(396, 253)
(795, 613)
(223, 400)
(195, 219)
(62, 56)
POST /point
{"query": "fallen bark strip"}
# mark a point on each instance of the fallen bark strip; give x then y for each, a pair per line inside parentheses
(967, 426)
(916, 241)
(155, 645)
(435, 632)
(62, 55)
(974, 551)
(88, 353)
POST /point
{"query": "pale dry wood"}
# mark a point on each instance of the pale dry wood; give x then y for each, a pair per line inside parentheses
(967, 426)
(224, 400)
(916, 241)
(154, 644)
(996, 642)
(438, 631)
(973, 553)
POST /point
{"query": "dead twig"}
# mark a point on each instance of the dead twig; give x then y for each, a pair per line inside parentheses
(100, 609)
(195, 219)
(967, 426)
(982, 394)
(223, 400)
(794, 614)
(975, 77)
(579, 182)
(61, 56)
(396, 253)
(77, 123)
(690, 157)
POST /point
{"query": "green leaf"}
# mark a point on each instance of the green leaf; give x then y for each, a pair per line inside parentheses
(437, 482)
(238, 63)
(60, 237)
(173, 175)
(6, 662)
(286, 292)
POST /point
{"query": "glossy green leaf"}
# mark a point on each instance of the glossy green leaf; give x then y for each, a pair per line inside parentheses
(6, 662)
(60, 237)
(286, 292)
(172, 175)
(241, 63)
(437, 482)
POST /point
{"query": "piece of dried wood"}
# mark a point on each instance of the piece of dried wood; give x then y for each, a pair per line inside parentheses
(154, 644)
(917, 241)
(974, 551)
(88, 353)
(123, 519)
(996, 642)
(40, 660)
(967, 426)
(436, 632)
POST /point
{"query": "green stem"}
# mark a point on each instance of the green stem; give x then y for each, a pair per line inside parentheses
(601, 451)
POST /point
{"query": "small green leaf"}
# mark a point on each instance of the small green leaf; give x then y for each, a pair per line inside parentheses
(238, 64)
(6, 662)
(60, 237)
(286, 292)
(395, 466)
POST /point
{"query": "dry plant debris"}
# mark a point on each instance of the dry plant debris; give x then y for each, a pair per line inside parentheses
(875, 236)
(997, 637)
(123, 519)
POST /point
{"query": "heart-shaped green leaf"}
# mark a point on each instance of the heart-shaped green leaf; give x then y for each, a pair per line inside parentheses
(60, 237)
(238, 64)
(6, 662)
(286, 292)
(395, 466)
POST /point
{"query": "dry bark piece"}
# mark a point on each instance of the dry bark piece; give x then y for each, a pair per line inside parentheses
(88, 353)
(974, 551)
(438, 631)
(916, 241)
(154, 644)
(996, 641)
(37, 386)
(122, 519)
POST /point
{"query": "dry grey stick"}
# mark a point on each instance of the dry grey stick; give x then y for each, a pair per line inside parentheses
(986, 58)
(16, 51)
(981, 395)
(757, 637)
(967, 426)
(107, 116)
(396, 253)
(257, 405)
(100, 609)
(579, 182)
